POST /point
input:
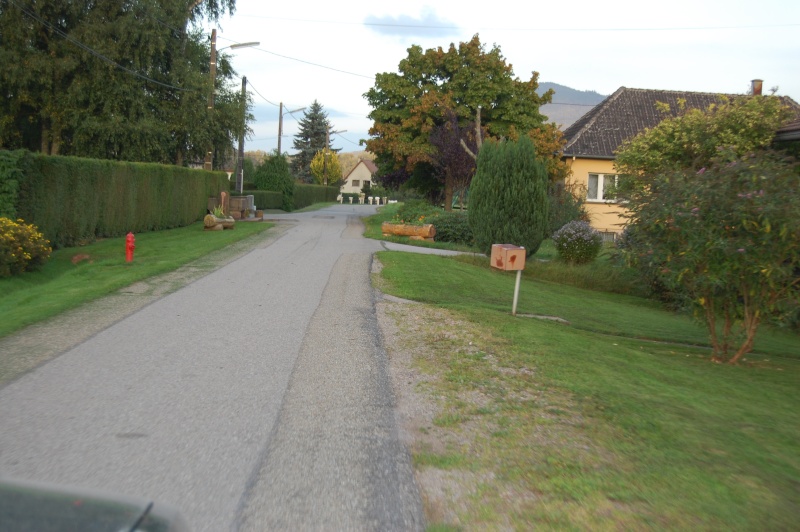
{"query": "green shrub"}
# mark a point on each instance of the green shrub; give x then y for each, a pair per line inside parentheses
(22, 248)
(267, 199)
(564, 207)
(275, 175)
(74, 200)
(453, 227)
(577, 242)
(305, 195)
(10, 176)
(508, 196)
(416, 212)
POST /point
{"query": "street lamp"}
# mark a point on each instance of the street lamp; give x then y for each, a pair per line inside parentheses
(280, 124)
(207, 165)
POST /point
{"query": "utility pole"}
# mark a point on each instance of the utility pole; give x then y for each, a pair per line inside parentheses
(325, 153)
(208, 163)
(280, 124)
(240, 169)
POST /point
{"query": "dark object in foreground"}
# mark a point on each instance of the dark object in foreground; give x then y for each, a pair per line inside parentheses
(39, 507)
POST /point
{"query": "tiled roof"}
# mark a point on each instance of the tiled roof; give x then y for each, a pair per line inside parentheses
(622, 116)
(790, 131)
(369, 164)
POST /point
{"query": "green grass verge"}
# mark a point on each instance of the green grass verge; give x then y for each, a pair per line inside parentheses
(385, 214)
(74, 276)
(586, 426)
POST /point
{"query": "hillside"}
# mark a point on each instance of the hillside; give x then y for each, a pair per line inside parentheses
(568, 104)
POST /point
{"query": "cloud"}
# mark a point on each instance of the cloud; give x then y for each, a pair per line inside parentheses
(427, 24)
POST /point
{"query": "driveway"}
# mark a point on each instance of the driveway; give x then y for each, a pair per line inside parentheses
(255, 398)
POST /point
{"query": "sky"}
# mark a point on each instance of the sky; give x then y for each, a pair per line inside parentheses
(331, 51)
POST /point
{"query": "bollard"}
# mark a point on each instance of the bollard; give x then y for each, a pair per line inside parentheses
(129, 247)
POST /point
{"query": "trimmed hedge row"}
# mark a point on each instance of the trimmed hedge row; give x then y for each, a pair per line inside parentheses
(266, 199)
(73, 200)
(305, 195)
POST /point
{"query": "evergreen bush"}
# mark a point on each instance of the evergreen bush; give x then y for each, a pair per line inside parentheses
(22, 248)
(508, 196)
(453, 227)
(577, 242)
(275, 175)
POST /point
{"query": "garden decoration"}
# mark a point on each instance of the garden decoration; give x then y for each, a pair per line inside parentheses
(414, 232)
(217, 220)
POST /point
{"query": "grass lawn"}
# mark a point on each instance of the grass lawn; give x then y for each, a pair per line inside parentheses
(617, 420)
(76, 275)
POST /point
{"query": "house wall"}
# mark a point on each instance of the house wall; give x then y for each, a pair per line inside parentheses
(604, 216)
(360, 173)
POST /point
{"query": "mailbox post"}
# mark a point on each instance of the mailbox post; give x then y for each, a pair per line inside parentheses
(508, 257)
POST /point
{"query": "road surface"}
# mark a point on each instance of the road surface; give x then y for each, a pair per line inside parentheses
(255, 398)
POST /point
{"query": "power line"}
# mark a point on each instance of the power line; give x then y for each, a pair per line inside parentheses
(265, 99)
(315, 64)
(95, 52)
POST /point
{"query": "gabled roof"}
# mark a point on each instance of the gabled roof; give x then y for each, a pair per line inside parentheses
(622, 116)
(369, 164)
(790, 131)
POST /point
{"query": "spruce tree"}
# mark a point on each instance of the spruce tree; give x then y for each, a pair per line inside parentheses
(508, 201)
(311, 138)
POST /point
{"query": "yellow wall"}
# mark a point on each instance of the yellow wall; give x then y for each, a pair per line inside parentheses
(604, 216)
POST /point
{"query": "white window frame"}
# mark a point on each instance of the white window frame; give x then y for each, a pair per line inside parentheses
(601, 183)
(356, 183)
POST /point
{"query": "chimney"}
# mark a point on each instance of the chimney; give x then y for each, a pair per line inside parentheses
(755, 88)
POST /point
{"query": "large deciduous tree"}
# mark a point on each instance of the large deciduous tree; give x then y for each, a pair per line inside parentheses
(408, 105)
(713, 217)
(454, 165)
(312, 137)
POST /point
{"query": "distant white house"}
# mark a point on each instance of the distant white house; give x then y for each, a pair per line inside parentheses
(359, 176)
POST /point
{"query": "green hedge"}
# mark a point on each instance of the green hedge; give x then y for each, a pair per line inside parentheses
(73, 200)
(305, 195)
(264, 199)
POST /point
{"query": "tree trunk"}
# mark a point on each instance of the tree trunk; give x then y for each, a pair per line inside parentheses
(448, 191)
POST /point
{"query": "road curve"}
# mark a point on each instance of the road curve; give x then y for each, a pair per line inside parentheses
(255, 398)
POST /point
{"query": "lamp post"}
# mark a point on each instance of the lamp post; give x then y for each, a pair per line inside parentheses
(208, 163)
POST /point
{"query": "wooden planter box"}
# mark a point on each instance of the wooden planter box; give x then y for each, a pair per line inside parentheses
(414, 232)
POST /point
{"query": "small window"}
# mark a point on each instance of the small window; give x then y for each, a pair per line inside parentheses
(356, 183)
(366, 183)
(600, 186)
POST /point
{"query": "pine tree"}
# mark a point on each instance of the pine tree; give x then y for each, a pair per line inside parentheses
(508, 201)
(311, 138)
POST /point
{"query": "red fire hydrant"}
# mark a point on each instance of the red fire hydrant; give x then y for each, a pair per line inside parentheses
(129, 247)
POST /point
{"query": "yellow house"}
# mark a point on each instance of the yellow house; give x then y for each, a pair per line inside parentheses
(358, 177)
(593, 140)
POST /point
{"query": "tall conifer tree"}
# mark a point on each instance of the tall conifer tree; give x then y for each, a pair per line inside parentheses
(311, 138)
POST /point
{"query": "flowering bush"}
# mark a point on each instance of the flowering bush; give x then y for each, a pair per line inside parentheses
(577, 242)
(22, 247)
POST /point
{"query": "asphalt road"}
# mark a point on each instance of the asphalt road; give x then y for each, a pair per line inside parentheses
(255, 398)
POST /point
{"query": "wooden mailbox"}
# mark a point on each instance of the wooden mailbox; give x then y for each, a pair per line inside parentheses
(508, 257)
